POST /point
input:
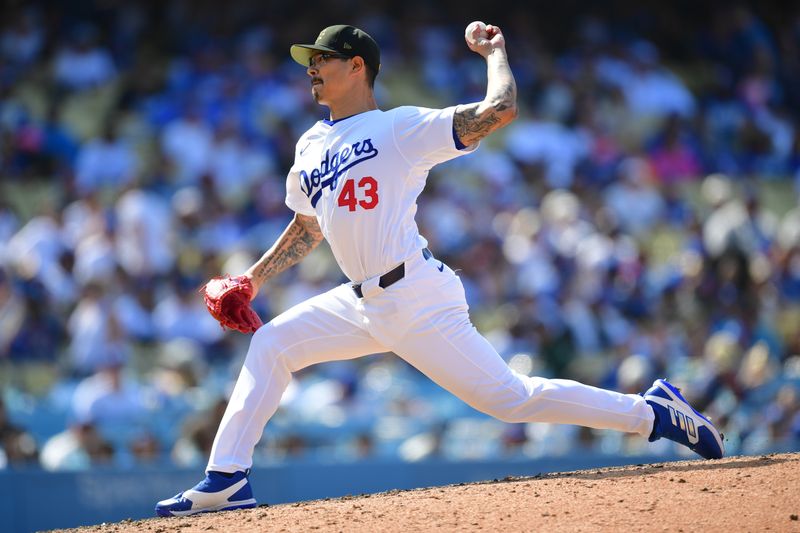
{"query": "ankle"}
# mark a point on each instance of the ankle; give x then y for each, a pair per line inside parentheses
(654, 433)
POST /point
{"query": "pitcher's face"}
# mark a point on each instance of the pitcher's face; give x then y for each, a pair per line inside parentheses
(331, 77)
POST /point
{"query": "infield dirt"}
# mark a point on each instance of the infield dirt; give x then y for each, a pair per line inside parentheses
(760, 493)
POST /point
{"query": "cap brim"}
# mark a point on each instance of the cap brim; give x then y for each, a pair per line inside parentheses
(302, 52)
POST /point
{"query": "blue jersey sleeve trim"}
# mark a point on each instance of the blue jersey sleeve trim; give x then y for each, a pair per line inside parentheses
(457, 141)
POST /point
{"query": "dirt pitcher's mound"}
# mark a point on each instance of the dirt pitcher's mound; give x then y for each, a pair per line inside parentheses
(735, 494)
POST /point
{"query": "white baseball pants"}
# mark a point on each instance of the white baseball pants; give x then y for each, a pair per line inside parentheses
(423, 319)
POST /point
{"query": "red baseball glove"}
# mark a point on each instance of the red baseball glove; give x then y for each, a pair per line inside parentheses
(228, 300)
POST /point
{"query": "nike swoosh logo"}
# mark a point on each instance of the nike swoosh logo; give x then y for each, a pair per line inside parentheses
(441, 267)
(202, 500)
(304, 149)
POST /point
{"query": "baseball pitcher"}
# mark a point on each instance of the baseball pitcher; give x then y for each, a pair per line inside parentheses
(354, 182)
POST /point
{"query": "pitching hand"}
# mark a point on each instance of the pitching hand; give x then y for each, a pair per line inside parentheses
(485, 44)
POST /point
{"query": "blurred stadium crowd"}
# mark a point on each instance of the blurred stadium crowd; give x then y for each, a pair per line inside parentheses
(639, 220)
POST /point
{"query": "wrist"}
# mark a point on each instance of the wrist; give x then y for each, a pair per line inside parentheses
(251, 275)
(254, 282)
(498, 51)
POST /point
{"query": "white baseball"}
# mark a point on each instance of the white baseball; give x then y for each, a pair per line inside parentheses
(475, 32)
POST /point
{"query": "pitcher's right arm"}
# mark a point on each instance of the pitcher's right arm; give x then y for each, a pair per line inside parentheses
(473, 122)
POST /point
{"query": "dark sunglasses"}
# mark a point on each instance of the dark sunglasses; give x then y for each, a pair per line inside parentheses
(320, 59)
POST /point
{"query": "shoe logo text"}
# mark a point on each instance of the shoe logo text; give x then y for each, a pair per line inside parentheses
(686, 423)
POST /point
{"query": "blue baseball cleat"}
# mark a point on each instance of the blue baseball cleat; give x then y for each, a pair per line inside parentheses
(677, 421)
(217, 492)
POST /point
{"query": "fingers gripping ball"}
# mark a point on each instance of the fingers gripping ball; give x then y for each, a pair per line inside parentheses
(475, 32)
(228, 301)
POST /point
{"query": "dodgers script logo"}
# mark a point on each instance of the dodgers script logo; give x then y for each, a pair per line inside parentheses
(333, 166)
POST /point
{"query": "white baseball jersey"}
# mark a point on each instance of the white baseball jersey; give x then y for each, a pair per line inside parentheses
(361, 176)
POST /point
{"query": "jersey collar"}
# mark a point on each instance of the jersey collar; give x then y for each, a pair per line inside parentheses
(332, 122)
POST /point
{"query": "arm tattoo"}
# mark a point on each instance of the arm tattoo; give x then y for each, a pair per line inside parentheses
(506, 99)
(300, 237)
(472, 126)
(473, 122)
